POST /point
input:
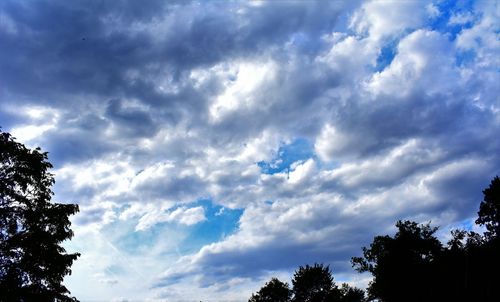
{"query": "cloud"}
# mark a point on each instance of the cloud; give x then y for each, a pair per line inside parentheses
(384, 19)
(187, 216)
(331, 226)
(132, 120)
(321, 123)
(417, 53)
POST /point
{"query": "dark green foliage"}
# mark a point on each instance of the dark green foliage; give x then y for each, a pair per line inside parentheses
(310, 284)
(351, 294)
(412, 249)
(467, 269)
(314, 284)
(414, 266)
(32, 262)
(489, 209)
(273, 291)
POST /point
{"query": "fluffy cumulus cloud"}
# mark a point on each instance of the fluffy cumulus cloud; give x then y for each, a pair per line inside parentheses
(212, 145)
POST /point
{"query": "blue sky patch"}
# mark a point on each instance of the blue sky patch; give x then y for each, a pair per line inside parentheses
(466, 225)
(298, 150)
(387, 54)
(464, 58)
(447, 10)
(221, 221)
(133, 241)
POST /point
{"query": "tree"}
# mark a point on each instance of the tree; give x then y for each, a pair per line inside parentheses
(32, 261)
(414, 266)
(310, 284)
(467, 269)
(273, 291)
(314, 284)
(489, 209)
(351, 294)
(401, 266)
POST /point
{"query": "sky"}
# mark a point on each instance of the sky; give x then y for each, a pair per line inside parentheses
(213, 145)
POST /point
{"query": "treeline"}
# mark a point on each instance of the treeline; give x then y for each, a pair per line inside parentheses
(310, 283)
(411, 266)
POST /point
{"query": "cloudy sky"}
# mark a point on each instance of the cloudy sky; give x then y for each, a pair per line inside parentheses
(214, 144)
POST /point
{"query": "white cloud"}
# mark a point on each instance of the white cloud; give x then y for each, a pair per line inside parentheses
(390, 167)
(351, 57)
(415, 67)
(183, 215)
(432, 10)
(28, 133)
(301, 172)
(461, 18)
(482, 37)
(165, 107)
(382, 19)
(333, 145)
(41, 119)
(241, 84)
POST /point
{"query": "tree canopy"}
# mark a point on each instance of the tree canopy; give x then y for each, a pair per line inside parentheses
(413, 265)
(32, 261)
(351, 294)
(311, 283)
(273, 291)
(401, 262)
(489, 209)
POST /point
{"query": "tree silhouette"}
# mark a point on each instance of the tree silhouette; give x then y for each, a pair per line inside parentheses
(32, 262)
(414, 266)
(310, 284)
(314, 284)
(489, 209)
(401, 266)
(351, 294)
(273, 291)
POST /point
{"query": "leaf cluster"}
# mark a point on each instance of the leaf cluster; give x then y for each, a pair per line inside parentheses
(414, 265)
(311, 283)
(32, 261)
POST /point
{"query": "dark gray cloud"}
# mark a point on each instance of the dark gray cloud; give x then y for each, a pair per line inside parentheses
(132, 121)
(62, 55)
(148, 107)
(56, 50)
(75, 145)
